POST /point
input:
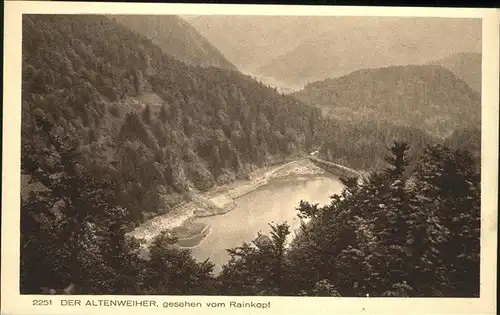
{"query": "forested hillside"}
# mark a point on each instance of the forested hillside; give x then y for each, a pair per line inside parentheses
(430, 98)
(158, 125)
(115, 131)
(177, 38)
(363, 144)
(106, 115)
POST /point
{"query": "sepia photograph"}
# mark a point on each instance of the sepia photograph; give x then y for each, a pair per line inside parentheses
(247, 155)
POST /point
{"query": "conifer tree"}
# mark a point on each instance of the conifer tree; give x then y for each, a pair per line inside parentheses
(163, 115)
(146, 114)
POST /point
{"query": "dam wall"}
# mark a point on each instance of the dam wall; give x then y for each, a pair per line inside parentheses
(336, 169)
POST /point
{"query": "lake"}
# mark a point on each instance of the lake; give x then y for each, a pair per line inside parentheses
(274, 203)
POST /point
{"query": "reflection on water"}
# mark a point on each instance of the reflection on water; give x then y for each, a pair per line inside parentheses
(272, 203)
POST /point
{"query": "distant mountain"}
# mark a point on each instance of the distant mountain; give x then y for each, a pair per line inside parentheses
(430, 98)
(250, 41)
(466, 66)
(177, 38)
(375, 43)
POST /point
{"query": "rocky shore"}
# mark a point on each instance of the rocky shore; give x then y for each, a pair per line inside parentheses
(216, 201)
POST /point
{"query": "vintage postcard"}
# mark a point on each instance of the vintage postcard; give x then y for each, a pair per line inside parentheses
(249, 159)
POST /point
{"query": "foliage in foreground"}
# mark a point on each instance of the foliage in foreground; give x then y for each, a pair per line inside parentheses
(392, 234)
(107, 163)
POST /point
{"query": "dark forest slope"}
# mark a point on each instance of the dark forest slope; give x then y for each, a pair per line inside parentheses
(158, 125)
(177, 38)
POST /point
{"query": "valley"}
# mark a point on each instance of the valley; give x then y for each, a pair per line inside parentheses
(286, 156)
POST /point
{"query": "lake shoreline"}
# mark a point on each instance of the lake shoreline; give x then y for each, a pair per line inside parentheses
(218, 201)
(221, 199)
(272, 204)
(196, 239)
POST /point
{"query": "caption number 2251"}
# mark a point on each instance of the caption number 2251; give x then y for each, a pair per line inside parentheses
(42, 302)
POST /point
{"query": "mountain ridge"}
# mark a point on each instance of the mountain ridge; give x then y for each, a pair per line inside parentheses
(465, 65)
(178, 38)
(335, 53)
(428, 97)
